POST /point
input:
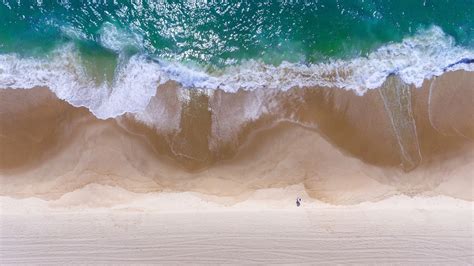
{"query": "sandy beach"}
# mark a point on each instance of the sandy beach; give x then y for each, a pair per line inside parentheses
(267, 228)
(96, 192)
(185, 132)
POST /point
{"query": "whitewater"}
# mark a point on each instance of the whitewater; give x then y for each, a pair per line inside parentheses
(427, 54)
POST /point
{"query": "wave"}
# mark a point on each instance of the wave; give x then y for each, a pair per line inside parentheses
(427, 54)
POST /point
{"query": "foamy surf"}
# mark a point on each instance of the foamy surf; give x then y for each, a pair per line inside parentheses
(427, 54)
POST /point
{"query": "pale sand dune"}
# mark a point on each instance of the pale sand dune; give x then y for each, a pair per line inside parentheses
(267, 228)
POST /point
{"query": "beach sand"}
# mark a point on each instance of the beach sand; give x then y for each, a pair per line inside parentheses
(89, 226)
(384, 180)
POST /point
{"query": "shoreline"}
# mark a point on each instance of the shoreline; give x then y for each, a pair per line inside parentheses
(343, 148)
(95, 198)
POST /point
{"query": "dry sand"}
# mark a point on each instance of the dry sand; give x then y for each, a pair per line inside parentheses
(267, 228)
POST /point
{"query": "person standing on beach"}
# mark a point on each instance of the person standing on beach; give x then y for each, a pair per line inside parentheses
(298, 201)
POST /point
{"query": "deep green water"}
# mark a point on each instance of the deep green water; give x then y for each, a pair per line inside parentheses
(219, 33)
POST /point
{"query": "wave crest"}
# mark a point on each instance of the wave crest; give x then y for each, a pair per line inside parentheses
(422, 56)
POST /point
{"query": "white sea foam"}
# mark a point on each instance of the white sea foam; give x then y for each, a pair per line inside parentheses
(415, 59)
(424, 55)
(134, 84)
(117, 40)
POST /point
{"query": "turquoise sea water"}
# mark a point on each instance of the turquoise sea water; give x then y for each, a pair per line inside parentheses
(111, 55)
(225, 32)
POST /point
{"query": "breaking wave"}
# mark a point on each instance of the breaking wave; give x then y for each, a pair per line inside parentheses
(423, 56)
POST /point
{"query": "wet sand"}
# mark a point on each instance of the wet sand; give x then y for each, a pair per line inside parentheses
(344, 148)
